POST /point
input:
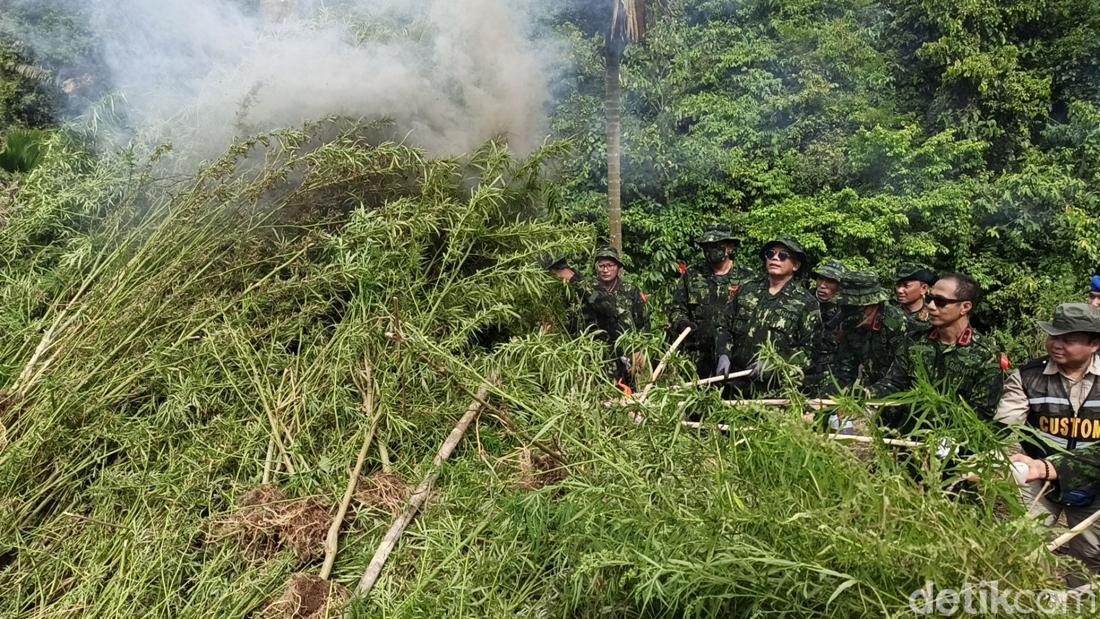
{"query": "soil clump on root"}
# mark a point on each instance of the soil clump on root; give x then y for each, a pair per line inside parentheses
(307, 597)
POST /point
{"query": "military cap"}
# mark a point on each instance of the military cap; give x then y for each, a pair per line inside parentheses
(608, 252)
(795, 248)
(717, 234)
(1072, 318)
(909, 272)
(831, 269)
(862, 288)
(555, 262)
(1094, 283)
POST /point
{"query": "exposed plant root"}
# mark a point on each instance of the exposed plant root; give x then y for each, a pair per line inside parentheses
(307, 597)
(382, 491)
(267, 522)
(538, 470)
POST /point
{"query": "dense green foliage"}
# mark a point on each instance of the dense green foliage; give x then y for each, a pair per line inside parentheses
(170, 341)
(960, 134)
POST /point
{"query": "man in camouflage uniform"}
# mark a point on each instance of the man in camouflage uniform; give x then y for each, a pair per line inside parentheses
(827, 277)
(776, 309)
(952, 352)
(910, 287)
(700, 297)
(871, 333)
(611, 306)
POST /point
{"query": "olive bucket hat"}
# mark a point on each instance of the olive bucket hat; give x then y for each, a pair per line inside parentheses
(1072, 318)
(794, 247)
(830, 269)
(717, 234)
(862, 288)
(608, 252)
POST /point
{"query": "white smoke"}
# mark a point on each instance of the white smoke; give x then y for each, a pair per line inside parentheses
(450, 73)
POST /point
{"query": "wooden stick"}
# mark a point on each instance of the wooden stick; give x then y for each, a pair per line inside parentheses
(896, 442)
(713, 380)
(332, 540)
(817, 403)
(420, 495)
(1081, 527)
(664, 361)
(698, 425)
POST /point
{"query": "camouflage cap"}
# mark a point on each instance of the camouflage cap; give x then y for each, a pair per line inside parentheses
(795, 248)
(555, 262)
(608, 252)
(1072, 318)
(717, 234)
(909, 272)
(862, 288)
(831, 269)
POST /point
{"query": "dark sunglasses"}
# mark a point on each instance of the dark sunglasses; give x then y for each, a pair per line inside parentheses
(939, 301)
(781, 254)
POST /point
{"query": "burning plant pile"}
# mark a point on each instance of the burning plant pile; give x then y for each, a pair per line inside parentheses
(183, 407)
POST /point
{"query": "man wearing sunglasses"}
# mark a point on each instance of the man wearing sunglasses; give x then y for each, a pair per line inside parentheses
(952, 352)
(777, 309)
(1057, 398)
(701, 295)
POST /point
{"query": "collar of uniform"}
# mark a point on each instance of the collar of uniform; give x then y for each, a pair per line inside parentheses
(1052, 367)
(966, 338)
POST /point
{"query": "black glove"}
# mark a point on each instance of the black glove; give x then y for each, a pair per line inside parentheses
(684, 323)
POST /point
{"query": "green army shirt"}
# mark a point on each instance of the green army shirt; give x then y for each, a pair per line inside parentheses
(866, 351)
(612, 312)
(972, 365)
(789, 319)
(701, 296)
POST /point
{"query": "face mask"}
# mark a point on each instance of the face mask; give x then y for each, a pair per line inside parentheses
(714, 255)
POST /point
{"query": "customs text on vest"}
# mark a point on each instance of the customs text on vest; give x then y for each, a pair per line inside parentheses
(1051, 415)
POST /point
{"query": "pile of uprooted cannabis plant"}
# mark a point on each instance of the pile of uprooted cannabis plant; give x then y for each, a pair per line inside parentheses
(181, 407)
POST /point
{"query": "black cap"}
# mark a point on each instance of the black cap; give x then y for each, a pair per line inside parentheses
(915, 273)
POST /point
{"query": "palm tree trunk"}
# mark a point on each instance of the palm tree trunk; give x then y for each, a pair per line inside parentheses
(613, 112)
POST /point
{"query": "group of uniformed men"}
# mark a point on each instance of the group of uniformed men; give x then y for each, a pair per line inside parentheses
(847, 336)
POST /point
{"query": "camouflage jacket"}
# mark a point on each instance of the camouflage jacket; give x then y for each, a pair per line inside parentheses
(866, 353)
(972, 366)
(830, 330)
(1079, 468)
(701, 297)
(917, 321)
(817, 375)
(790, 320)
(611, 312)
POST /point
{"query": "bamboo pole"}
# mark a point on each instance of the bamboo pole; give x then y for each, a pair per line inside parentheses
(664, 361)
(713, 380)
(896, 442)
(420, 495)
(1081, 527)
(332, 540)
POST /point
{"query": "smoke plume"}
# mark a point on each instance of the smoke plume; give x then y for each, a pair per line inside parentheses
(449, 73)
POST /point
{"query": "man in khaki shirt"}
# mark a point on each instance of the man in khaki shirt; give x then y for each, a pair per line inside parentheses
(1057, 399)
